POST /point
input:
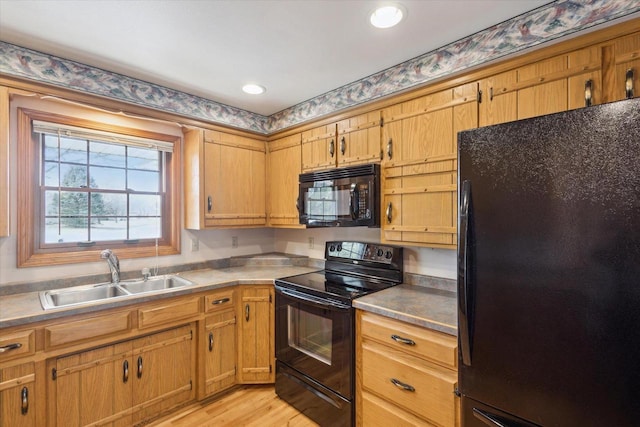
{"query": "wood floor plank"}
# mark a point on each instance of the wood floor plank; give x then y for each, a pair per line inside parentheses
(247, 406)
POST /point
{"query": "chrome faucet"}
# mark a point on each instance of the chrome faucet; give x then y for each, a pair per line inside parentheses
(114, 264)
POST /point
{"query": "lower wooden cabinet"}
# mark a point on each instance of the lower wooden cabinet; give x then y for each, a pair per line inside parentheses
(256, 335)
(406, 375)
(219, 343)
(124, 383)
(17, 396)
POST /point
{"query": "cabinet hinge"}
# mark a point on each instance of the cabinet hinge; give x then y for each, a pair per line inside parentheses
(456, 391)
(191, 334)
(190, 385)
(381, 122)
(269, 298)
(54, 374)
(479, 97)
(270, 368)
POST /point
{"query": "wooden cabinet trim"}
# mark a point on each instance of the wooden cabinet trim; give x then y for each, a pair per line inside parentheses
(431, 109)
(15, 382)
(82, 366)
(418, 190)
(371, 124)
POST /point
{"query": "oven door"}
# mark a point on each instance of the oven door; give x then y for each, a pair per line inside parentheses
(315, 337)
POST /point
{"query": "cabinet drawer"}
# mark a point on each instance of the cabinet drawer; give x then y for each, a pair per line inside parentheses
(17, 344)
(377, 412)
(432, 387)
(435, 346)
(222, 300)
(92, 328)
(168, 312)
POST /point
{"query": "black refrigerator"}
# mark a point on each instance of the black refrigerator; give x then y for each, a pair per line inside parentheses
(549, 270)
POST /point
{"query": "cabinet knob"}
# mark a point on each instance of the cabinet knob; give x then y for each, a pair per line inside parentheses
(125, 371)
(209, 203)
(390, 148)
(389, 213)
(331, 147)
(211, 341)
(343, 145)
(588, 93)
(246, 312)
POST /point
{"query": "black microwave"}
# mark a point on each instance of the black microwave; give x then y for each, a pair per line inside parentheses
(341, 197)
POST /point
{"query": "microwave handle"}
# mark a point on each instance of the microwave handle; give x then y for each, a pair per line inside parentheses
(354, 205)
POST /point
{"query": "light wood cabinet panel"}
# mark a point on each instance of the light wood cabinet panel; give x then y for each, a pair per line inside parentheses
(167, 312)
(224, 180)
(405, 375)
(164, 371)
(17, 396)
(4, 162)
(124, 383)
(100, 326)
(284, 165)
(220, 351)
(256, 335)
(94, 387)
(319, 148)
(359, 140)
(627, 57)
(419, 167)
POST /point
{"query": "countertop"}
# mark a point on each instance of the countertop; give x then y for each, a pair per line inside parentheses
(25, 308)
(419, 305)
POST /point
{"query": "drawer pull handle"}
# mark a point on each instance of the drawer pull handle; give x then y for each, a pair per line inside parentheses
(407, 341)
(210, 341)
(24, 395)
(125, 371)
(10, 347)
(139, 366)
(402, 385)
(220, 301)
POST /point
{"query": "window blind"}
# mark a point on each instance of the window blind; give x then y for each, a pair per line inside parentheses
(102, 136)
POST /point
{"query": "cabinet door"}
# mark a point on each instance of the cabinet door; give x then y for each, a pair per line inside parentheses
(17, 396)
(234, 180)
(419, 177)
(256, 342)
(359, 139)
(162, 372)
(95, 387)
(220, 352)
(4, 161)
(319, 148)
(284, 167)
(627, 59)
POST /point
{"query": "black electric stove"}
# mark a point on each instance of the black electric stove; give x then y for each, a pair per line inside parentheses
(315, 328)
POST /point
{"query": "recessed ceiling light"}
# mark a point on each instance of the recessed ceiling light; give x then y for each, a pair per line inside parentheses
(253, 89)
(386, 16)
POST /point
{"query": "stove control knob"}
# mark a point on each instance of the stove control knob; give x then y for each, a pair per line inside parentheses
(388, 255)
(339, 248)
(332, 248)
(379, 252)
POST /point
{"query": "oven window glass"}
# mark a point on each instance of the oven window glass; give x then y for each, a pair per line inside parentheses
(310, 334)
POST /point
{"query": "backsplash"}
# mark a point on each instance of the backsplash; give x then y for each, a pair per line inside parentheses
(554, 20)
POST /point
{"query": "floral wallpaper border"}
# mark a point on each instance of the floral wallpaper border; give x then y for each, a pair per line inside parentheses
(556, 19)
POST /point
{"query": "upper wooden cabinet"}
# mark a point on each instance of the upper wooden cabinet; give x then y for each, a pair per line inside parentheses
(419, 167)
(561, 83)
(359, 140)
(627, 67)
(351, 141)
(224, 180)
(283, 168)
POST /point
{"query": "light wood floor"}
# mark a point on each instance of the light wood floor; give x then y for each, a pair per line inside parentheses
(244, 406)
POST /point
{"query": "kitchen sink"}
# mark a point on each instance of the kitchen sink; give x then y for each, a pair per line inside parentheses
(155, 284)
(89, 294)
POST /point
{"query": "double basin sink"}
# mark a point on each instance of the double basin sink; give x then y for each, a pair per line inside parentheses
(102, 292)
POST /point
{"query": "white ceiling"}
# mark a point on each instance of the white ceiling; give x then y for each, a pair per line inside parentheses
(297, 49)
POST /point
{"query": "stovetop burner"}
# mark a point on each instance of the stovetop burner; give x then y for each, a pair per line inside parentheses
(352, 270)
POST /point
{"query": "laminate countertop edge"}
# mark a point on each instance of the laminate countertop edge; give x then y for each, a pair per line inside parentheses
(418, 305)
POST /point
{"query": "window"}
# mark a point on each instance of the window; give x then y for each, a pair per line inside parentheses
(93, 186)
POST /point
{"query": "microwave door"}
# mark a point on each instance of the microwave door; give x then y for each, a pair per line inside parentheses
(327, 202)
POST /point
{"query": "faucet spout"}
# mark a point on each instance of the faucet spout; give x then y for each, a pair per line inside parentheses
(114, 264)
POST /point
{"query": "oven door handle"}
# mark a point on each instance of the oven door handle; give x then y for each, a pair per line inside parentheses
(312, 300)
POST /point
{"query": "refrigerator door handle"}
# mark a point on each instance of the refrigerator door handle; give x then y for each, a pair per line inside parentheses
(489, 419)
(464, 311)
